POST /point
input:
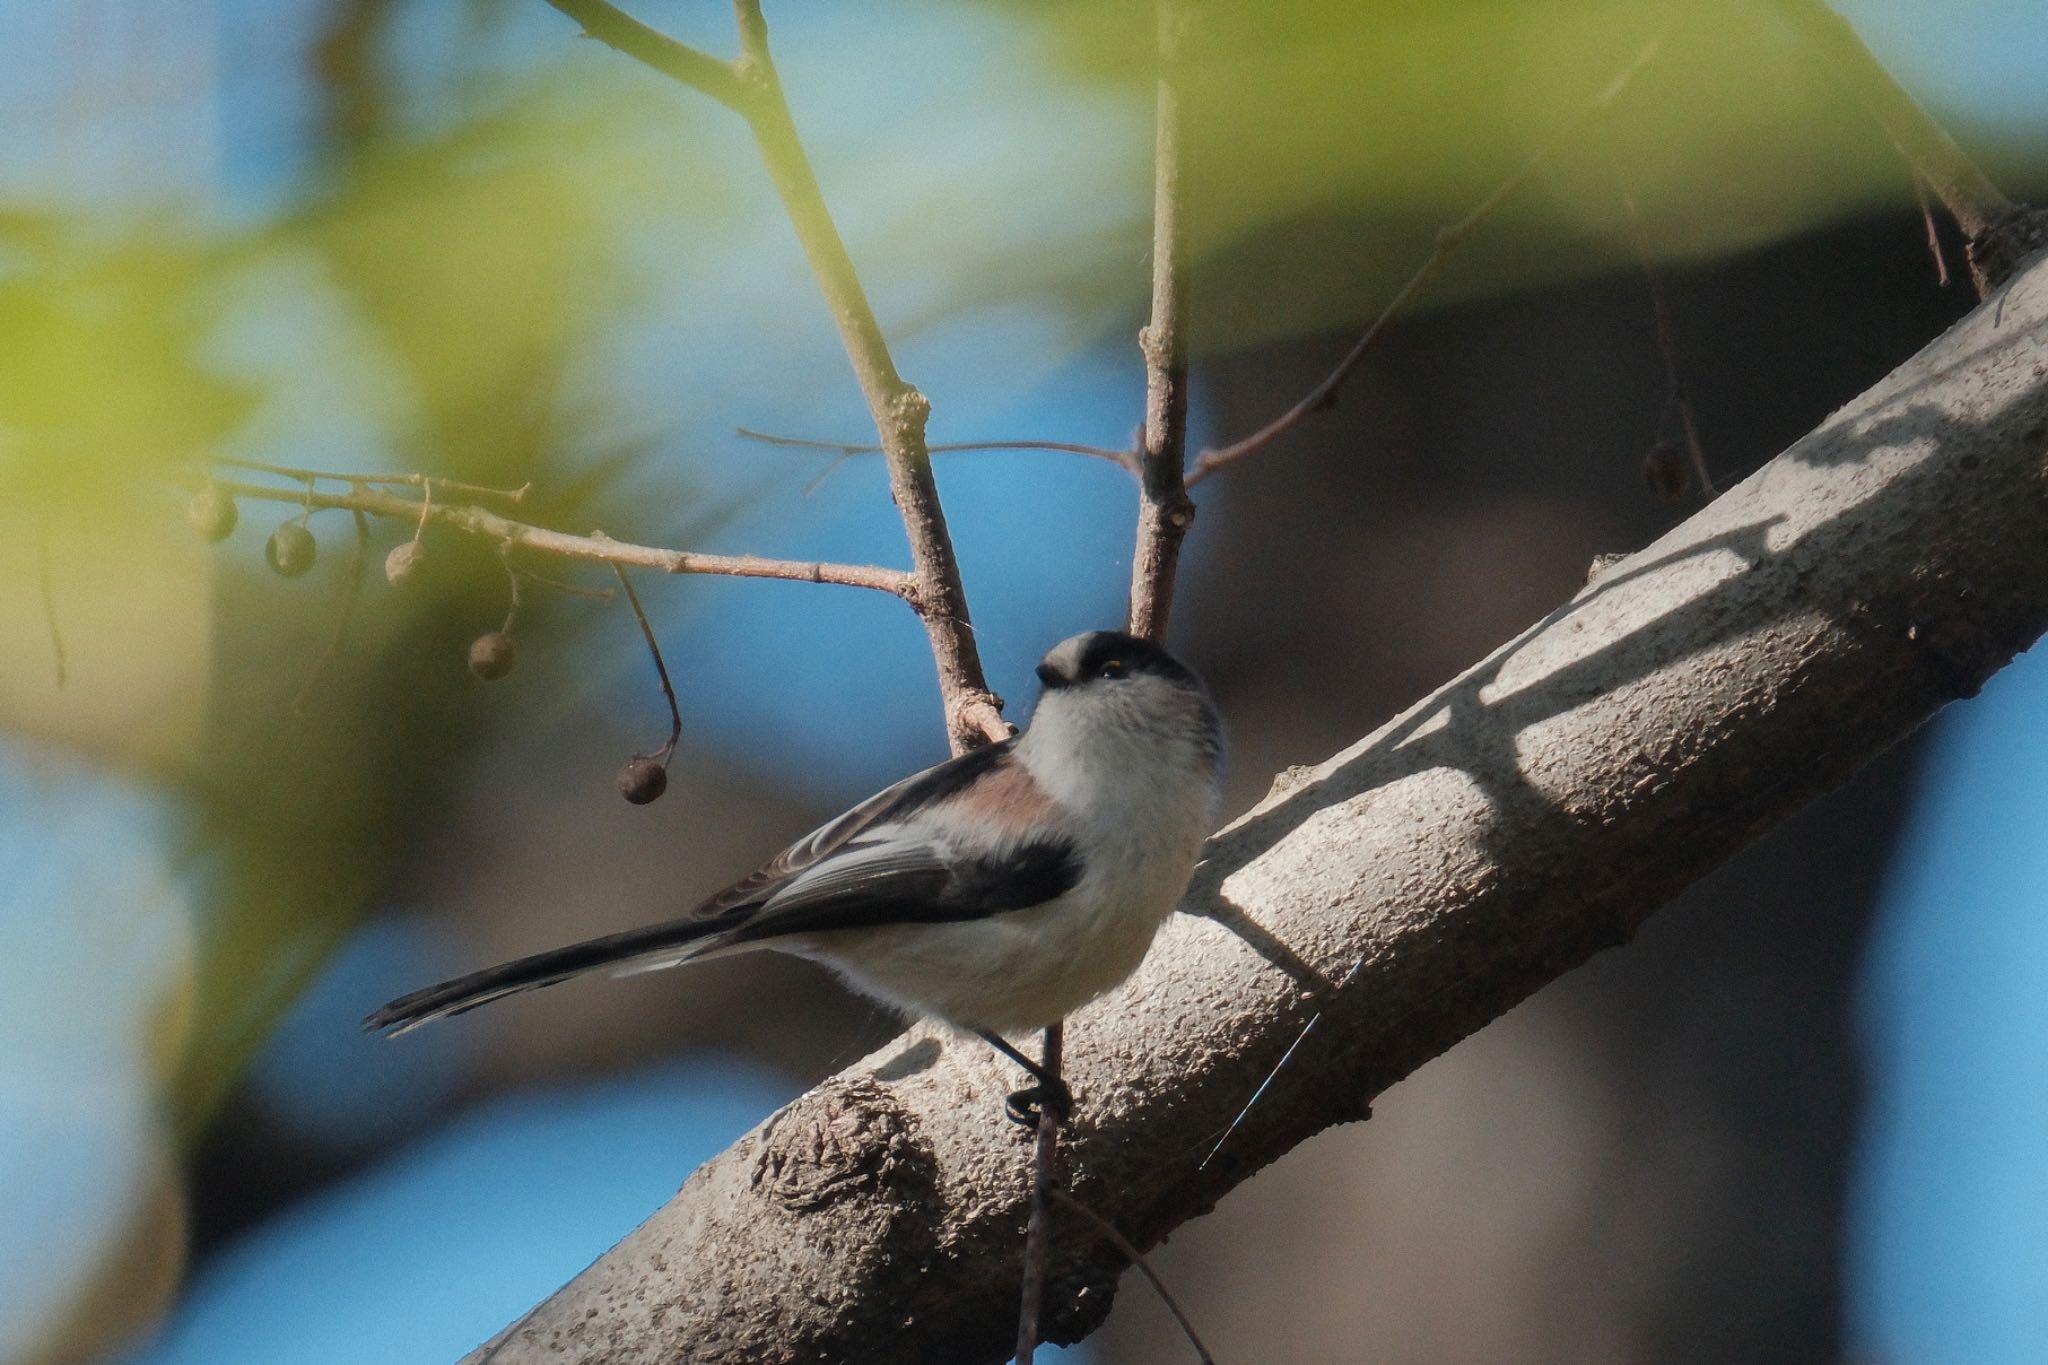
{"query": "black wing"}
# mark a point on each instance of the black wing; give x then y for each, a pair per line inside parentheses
(855, 871)
(891, 803)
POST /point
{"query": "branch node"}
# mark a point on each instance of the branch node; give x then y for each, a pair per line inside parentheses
(910, 409)
(976, 718)
(1997, 253)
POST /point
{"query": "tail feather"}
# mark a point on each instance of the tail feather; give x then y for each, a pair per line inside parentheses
(646, 949)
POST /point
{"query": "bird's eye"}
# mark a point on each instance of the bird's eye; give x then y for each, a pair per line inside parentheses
(1114, 668)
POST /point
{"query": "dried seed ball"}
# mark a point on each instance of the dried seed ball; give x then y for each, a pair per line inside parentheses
(491, 656)
(642, 780)
(212, 513)
(403, 559)
(290, 549)
(1665, 472)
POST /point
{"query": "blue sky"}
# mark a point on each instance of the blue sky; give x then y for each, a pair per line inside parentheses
(1950, 1258)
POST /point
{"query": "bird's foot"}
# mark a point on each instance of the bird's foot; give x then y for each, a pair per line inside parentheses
(1024, 1106)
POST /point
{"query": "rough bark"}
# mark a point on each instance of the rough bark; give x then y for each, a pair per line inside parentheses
(1401, 894)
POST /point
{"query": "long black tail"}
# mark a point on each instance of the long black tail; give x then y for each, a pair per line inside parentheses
(656, 945)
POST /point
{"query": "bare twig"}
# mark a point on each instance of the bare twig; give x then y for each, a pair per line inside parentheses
(1129, 1250)
(1165, 513)
(514, 598)
(1121, 458)
(425, 482)
(1677, 405)
(973, 713)
(1448, 240)
(596, 547)
(675, 714)
(651, 47)
(752, 88)
(1164, 510)
(1979, 207)
(1044, 1181)
(1933, 233)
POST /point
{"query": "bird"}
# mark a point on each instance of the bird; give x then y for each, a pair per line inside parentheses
(997, 892)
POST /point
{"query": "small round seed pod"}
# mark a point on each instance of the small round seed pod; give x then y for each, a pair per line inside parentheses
(290, 549)
(642, 780)
(491, 656)
(212, 513)
(403, 559)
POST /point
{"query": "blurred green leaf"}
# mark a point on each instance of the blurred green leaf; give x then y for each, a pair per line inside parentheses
(102, 337)
(427, 306)
(1329, 140)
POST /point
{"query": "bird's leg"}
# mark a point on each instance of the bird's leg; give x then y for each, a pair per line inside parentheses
(1051, 1092)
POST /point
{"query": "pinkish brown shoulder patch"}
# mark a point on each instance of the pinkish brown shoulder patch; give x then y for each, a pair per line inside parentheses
(1008, 798)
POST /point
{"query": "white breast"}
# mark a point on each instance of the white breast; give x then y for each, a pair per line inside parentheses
(1140, 803)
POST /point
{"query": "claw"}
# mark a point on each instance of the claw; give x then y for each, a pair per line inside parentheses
(1024, 1106)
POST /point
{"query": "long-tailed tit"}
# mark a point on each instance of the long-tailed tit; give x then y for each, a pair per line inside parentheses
(999, 891)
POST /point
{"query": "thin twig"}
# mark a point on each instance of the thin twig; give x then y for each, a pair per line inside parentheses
(1933, 233)
(1044, 1181)
(1999, 234)
(1121, 458)
(677, 60)
(675, 714)
(515, 597)
(1448, 240)
(1126, 1248)
(973, 713)
(1165, 512)
(1977, 205)
(1676, 403)
(426, 482)
(817, 481)
(752, 88)
(349, 595)
(596, 547)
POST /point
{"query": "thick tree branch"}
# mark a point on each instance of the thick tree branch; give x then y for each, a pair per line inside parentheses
(1401, 895)
(595, 547)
